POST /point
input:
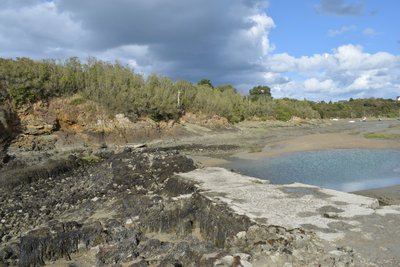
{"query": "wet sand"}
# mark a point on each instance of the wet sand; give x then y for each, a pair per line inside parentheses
(205, 161)
(315, 142)
(386, 195)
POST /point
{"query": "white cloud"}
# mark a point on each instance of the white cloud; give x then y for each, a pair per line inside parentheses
(369, 32)
(314, 85)
(347, 70)
(281, 63)
(249, 45)
(342, 30)
(349, 57)
(262, 24)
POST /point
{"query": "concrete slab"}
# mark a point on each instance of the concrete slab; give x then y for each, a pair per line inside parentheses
(330, 214)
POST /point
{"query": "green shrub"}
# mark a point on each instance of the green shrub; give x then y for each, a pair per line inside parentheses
(117, 88)
(77, 101)
(283, 114)
(90, 159)
(382, 136)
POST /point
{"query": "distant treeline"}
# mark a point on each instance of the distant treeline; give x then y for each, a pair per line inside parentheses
(120, 90)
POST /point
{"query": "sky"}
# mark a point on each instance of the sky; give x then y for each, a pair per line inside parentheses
(312, 49)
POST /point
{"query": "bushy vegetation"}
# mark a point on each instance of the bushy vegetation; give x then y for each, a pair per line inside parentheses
(120, 90)
(357, 108)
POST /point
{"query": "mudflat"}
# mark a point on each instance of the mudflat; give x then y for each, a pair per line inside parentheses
(257, 140)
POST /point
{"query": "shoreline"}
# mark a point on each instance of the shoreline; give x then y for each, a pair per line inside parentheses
(317, 142)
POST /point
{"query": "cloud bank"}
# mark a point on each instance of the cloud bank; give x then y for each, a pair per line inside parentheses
(346, 71)
(227, 41)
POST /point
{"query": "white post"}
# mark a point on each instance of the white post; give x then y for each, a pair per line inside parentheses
(179, 99)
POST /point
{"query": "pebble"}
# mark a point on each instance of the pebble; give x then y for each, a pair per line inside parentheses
(241, 235)
(5, 238)
(243, 256)
(331, 215)
(95, 199)
(227, 260)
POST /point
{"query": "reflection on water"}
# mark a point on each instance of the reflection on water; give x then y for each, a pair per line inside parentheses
(343, 169)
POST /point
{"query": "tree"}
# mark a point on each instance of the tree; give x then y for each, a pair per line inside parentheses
(226, 87)
(205, 82)
(260, 92)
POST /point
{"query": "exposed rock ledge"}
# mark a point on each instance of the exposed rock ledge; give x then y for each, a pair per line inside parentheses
(336, 217)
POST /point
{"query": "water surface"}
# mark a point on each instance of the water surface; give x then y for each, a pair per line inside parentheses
(341, 169)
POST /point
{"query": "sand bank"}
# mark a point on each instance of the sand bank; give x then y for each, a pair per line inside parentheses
(319, 142)
(386, 196)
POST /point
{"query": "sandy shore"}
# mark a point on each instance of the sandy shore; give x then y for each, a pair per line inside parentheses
(209, 161)
(319, 142)
(386, 196)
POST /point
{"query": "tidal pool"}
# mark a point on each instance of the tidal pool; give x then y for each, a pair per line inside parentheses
(341, 169)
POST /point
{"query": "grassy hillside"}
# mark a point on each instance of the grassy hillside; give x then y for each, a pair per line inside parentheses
(120, 90)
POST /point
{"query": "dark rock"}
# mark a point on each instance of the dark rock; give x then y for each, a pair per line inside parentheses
(13, 178)
(44, 244)
(9, 253)
(105, 154)
(141, 263)
(138, 217)
(103, 146)
(9, 129)
(117, 253)
(175, 186)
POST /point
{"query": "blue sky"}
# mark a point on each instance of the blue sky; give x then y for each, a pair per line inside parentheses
(314, 49)
(363, 33)
(302, 29)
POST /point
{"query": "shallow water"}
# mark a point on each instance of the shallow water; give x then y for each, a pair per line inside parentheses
(341, 169)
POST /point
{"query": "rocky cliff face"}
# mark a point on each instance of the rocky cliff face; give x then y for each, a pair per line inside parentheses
(66, 124)
(8, 129)
(61, 123)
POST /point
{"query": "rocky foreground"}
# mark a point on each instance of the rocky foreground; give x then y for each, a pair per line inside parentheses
(131, 209)
(64, 202)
